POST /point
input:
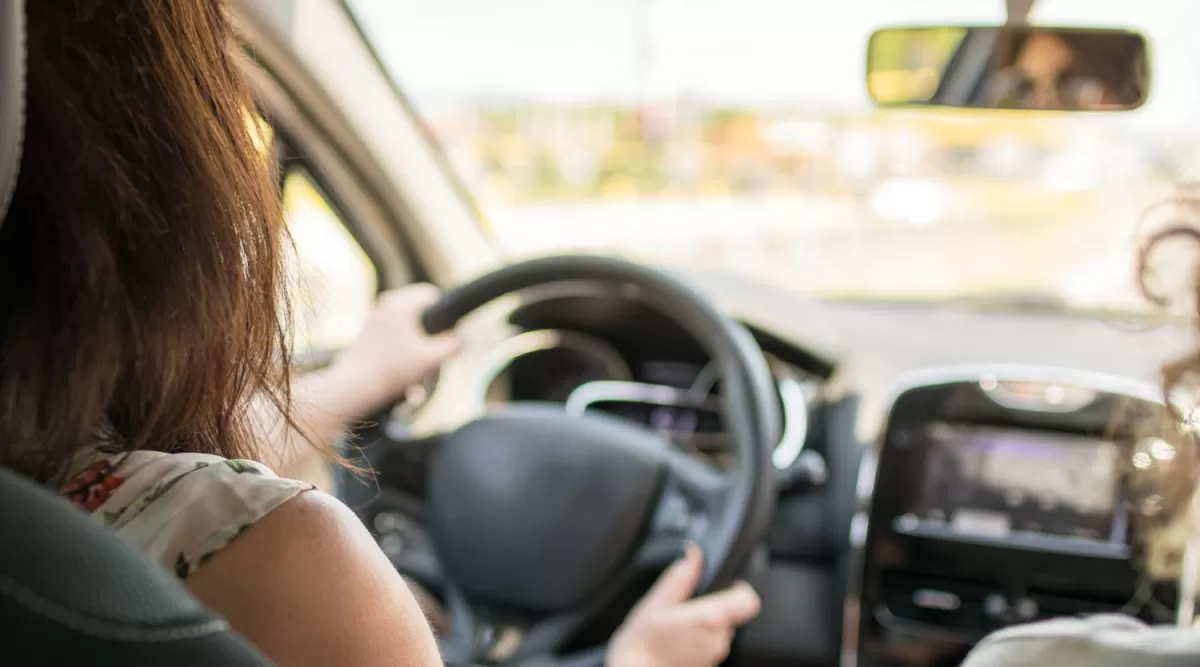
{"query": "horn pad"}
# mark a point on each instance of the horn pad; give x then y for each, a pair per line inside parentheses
(534, 509)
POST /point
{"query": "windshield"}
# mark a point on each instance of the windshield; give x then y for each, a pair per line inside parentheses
(738, 135)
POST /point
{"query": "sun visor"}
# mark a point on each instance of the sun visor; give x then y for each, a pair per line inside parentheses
(12, 96)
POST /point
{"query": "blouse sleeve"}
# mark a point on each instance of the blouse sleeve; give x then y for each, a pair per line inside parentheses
(180, 509)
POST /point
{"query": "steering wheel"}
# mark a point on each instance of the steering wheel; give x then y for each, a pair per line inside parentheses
(541, 518)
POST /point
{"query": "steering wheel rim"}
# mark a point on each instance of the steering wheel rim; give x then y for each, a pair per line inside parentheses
(750, 413)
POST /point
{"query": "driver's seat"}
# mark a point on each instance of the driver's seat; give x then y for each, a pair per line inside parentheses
(72, 593)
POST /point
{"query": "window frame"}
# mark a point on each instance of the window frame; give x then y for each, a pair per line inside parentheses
(288, 162)
(304, 131)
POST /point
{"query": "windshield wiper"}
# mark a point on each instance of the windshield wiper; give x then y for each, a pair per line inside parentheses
(1052, 304)
(1032, 302)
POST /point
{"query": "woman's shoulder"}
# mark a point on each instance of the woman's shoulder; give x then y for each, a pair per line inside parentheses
(179, 509)
(1106, 640)
(315, 562)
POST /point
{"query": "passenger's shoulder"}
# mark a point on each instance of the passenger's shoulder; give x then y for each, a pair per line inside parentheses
(1106, 640)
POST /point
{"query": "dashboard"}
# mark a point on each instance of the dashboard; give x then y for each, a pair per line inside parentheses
(966, 479)
(676, 396)
(1002, 495)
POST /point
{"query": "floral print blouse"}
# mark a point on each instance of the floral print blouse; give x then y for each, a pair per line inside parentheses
(179, 509)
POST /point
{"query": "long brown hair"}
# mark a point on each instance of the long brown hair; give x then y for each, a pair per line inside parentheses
(141, 262)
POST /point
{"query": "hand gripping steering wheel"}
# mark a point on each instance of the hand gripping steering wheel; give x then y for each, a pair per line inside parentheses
(540, 518)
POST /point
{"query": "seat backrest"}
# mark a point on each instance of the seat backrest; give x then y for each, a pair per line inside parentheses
(73, 593)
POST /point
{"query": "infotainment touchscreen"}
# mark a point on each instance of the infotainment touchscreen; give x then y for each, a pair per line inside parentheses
(998, 483)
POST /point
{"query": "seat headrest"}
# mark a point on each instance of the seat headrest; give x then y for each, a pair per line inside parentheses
(12, 96)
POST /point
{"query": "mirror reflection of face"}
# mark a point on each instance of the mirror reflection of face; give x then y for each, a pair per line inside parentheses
(1046, 63)
(1040, 68)
(1044, 57)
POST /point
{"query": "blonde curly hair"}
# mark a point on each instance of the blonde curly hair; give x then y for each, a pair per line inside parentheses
(1165, 497)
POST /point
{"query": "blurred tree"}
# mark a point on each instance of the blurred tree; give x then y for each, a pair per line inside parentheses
(906, 64)
(913, 48)
(547, 181)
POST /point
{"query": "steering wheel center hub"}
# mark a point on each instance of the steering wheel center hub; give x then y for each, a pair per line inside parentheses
(535, 509)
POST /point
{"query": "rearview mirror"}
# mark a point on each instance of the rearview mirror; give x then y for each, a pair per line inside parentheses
(991, 67)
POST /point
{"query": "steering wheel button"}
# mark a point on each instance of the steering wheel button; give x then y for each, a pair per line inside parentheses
(387, 522)
(1026, 609)
(674, 514)
(392, 544)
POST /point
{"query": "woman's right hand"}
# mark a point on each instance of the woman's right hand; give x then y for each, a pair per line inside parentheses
(669, 629)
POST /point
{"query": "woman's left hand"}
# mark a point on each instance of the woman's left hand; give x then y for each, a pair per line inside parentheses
(394, 352)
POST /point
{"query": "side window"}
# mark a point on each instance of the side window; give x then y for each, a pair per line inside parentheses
(332, 283)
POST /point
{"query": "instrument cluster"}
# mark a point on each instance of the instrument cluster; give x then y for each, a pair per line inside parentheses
(676, 397)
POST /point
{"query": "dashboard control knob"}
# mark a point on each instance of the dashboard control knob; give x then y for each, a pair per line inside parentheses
(927, 598)
(809, 471)
(1026, 609)
(995, 606)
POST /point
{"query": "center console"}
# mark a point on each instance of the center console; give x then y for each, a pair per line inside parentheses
(996, 497)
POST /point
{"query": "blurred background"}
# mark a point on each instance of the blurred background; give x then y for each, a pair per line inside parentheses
(739, 135)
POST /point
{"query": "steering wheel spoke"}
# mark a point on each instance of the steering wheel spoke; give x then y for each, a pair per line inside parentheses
(689, 503)
(464, 637)
(479, 637)
(702, 485)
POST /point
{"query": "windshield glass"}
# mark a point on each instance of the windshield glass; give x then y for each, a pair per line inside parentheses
(738, 135)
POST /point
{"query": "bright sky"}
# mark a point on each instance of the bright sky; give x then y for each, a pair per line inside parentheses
(739, 51)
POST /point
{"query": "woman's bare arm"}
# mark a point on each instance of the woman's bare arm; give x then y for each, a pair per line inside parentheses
(323, 403)
(392, 354)
(308, 586)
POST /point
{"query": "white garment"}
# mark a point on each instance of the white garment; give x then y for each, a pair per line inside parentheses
(1106, 640)
(179, 509)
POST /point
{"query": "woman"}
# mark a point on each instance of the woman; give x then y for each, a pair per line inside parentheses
(142, 342)
(1035, 79)
(1071, 70)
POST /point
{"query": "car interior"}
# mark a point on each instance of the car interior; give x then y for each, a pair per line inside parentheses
(896, 479)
